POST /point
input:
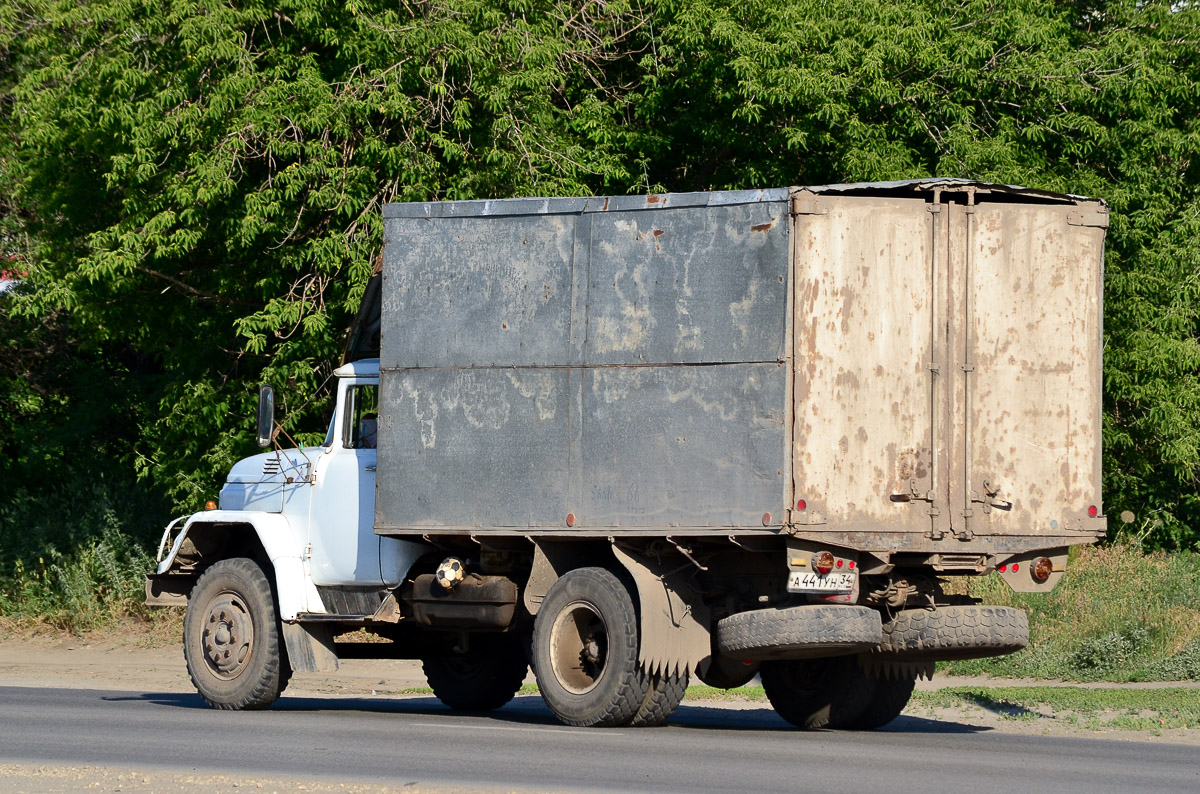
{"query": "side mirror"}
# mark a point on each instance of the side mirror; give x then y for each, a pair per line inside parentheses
(266, 415)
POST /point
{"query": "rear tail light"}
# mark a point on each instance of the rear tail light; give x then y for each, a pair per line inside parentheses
(822, 562)
(1041, 570)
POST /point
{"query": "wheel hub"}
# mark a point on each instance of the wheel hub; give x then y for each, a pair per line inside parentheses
(579, 647)
(228, 636)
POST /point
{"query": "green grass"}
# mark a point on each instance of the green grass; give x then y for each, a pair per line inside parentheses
(1119, 614)
(1092, 709)
(751, 694)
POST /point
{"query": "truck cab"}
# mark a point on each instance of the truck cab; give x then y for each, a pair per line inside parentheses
(311, 504)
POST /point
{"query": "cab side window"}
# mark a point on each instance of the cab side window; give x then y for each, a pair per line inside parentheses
(362, 417)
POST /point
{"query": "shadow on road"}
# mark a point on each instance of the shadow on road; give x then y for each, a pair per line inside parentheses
(530, 710)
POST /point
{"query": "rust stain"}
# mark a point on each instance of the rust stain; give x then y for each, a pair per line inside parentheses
(762, 227)
(652, 199)
(657, 232)
(605, 207)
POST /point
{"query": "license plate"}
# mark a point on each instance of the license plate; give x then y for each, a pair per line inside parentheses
(812, 582)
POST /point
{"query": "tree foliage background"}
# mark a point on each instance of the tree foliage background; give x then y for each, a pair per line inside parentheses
(193, 189)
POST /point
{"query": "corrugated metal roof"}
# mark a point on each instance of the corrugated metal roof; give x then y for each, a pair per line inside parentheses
(555, 206)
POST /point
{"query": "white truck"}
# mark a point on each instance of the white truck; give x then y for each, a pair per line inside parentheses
(629, 440)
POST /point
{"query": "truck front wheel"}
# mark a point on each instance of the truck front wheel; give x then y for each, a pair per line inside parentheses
(231, 637)
(585, 650)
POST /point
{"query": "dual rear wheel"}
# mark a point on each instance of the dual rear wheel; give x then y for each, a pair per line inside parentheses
(585, 655)
(833, 692)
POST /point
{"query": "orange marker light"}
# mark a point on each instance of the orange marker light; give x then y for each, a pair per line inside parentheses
(210, 505)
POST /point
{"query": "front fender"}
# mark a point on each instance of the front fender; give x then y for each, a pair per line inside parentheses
(282, 546)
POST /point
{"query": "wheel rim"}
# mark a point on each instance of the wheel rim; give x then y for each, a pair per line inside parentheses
(228, 635)
(579, 648)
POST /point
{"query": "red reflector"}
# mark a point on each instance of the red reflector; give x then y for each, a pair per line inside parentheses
(801, 504)
(1016, 567)
(1003, 568)
(839, 563)
(852, 565)
(1092, 511)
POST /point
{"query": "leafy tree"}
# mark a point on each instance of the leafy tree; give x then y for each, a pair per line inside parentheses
(195, 187)
(201, 183)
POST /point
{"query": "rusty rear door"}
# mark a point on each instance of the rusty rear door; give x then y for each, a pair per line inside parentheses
(866, 276)
(947, 367)
(1025, 321)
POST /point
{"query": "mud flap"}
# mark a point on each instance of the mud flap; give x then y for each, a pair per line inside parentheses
(675, 623)
(310, 648)
(895, 670)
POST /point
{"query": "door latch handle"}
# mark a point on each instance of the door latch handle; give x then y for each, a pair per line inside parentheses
(368, 468)
(913, 494)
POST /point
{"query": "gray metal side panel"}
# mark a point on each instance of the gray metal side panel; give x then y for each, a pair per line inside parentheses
(473, 448)
(688, 285)
(513, 365)
(684, 446)
(471, 292)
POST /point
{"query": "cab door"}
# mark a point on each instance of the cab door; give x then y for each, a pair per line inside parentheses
(344, 547)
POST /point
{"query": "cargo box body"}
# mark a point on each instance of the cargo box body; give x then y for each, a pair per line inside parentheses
(893, 368)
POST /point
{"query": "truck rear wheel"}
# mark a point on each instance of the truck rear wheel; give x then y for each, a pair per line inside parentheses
(831, 692)
(231, 637)
(888, 699)
(662, 698)
(484, 678)
(585, 650)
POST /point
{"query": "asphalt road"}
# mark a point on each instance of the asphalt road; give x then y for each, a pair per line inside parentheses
(418, 742)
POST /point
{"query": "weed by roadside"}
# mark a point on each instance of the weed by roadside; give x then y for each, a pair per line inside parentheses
(1119, 614)
(98, 580)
